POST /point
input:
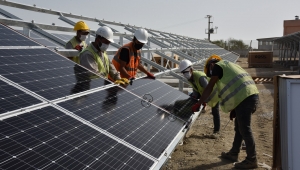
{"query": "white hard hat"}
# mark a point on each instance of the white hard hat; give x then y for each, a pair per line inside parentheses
(184, 64)
(141, 35)
(106, 32)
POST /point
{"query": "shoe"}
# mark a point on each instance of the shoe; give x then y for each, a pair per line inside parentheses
(246, 164)
(230, 156)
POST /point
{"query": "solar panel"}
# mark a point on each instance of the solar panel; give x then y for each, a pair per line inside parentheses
(128, 117)
(46, 138)
(45, 72)
(163, 96)
(8, 37)
(107, 127)
(13, 98)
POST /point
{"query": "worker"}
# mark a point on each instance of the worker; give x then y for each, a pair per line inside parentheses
(238, 95)
(94, 57)
(127, 59)
(198, 80)
(78, 41)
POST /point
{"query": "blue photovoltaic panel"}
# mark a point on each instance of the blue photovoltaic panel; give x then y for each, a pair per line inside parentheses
(163, 96)
(12, 98)
(127, 117)
(45, 72)
(49, 139)
(9, 37)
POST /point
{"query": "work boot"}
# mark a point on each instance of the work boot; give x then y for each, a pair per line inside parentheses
(215, 135)
(230, 156)
(246, 164)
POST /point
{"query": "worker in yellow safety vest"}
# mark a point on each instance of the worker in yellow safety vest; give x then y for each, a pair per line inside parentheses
(94, 57)
(127, 59)
(238, 95)
(78, 41)
(198, 80)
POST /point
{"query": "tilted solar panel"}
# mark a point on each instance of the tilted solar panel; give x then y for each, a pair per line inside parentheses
(163, 96)
(46, 138)
(129, 118)
(45, 72)
(101, 127)
(12, 98)
(8, 37)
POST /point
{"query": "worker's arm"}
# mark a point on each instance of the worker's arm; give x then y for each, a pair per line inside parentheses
(124, 60)
(113, 73)
(123, 71)
(142, 68)
(87, 60)
(209, 88)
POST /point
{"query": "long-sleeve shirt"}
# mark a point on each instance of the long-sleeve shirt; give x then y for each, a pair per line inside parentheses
(87, 60)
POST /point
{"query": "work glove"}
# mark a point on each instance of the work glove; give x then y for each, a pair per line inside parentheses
(131, 80)
(78, 47)
(232, 115)
(122, 81)
(195, 107)
(150, 75)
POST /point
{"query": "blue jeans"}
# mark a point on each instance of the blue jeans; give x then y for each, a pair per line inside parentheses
(242, 127)
(216, 117)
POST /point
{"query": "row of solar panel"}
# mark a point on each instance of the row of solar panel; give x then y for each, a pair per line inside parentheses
(50, 137)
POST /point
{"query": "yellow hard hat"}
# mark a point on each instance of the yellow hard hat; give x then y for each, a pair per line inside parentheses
(81, 25)
(214, 56)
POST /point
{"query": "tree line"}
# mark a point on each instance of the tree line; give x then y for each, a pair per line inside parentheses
(231, 43)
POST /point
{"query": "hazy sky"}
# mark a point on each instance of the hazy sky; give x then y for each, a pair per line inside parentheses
(240, 19)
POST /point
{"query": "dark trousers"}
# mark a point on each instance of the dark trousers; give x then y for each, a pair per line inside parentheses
(242, 128)
(216, 117)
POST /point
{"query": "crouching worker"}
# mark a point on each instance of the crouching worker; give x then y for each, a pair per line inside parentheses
(198, 80)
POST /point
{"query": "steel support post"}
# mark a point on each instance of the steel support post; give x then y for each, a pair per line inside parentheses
(180, 85)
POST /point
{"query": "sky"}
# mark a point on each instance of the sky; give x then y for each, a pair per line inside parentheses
(239, 19)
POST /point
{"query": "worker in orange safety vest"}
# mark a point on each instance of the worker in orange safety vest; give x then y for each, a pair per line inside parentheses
(127, 59)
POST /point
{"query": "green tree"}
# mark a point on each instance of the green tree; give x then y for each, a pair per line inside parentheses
(231, 44)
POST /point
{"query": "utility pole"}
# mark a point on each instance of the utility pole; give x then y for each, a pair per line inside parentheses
(208, 30)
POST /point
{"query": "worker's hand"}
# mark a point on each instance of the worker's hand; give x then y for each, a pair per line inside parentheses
(195, 107)
(150, 75)
(204, 104)
(78, 47)
(125, 80)
(122, 81)
(232, 115)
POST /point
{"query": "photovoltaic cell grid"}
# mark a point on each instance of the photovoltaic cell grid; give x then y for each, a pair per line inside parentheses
(12, 98)
(9, 37)
(127, 117)
(163, 96)
(45, 72)
(49, 139)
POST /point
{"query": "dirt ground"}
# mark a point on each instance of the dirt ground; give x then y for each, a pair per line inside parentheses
(201, 152)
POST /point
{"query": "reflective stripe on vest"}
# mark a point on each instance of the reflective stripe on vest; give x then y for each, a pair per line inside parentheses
(213, 97)
(74, 43)
(133, 63)
(235, 85)
(102, 68)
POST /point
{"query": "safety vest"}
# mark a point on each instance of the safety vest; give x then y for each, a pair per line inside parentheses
(235, 85)
(102, 68)
(74, 43)
(213, 99)
(133, 63)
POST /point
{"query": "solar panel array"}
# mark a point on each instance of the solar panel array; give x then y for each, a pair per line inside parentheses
(54, 117)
